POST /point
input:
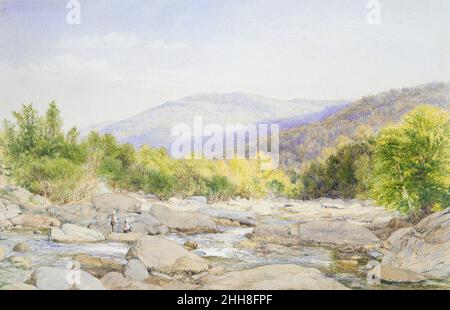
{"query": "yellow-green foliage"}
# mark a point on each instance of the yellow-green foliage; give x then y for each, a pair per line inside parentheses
(411, 169)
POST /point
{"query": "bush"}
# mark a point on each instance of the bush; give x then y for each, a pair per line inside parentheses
(59, 180)
(411, 169)
(219, 188)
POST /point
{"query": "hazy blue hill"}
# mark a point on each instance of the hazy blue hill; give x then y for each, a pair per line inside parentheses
(153, 127)
(308, 141)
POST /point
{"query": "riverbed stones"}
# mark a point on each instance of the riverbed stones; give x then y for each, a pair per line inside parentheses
(136, 270)
(97, 266)
(52, 278)
(35, 221)
(425, 249)
(70, 233)
(22, 247)
(116, 201)
(183, 221)
(160, 254)
(272, 277)
(244, 218)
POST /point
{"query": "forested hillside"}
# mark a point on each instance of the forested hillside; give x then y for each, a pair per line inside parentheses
(360, 119)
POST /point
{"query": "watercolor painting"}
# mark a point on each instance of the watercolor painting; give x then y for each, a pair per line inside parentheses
(224, 145)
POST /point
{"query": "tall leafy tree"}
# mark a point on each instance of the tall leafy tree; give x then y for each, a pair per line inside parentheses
(411, 167)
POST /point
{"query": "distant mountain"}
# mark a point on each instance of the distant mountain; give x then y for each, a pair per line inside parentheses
(153, 127)
(371, 113)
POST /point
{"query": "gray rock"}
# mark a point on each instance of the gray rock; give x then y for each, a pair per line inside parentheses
(35, 221)
(51, 278)
(73, 214)
(244, 218)
(424, 249)
(18, 286)
(69, 233)
(116, 281)
(199, 199)
(22, 247)
(161, 254)
(115, 201)
(136, 270)
(146, 223)
(338, 233)
(189, 222)
(273, 277)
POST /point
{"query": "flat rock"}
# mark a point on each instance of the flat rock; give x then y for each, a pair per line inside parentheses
(18, 286)
(35, 221)
(115, 201)
(244, 218)
(396, 275)
(424, 249)
(121, 237)
(160, 254)
(181, 221)
(116, 281)
(272, 277)
(70, 233)
(338, 233)
(52, 278)
(97, 266)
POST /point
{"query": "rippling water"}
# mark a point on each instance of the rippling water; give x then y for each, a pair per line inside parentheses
(220, 249)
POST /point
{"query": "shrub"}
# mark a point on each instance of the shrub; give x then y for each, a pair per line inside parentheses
(59, 180)
(219, 188)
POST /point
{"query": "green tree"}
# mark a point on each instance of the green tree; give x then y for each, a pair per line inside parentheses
(411, 167)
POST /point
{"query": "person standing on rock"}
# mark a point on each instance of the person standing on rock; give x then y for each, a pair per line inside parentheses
(113, 221)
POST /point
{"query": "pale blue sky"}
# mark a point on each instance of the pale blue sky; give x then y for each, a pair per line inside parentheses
(128, 56)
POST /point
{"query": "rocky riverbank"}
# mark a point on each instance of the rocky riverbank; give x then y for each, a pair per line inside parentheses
(241, 244)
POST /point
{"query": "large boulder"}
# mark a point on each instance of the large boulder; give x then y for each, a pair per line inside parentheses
(273, 277)
(9, 210)
(181, 221)
(115, 201)
(145, 223)
(423, 249)
(338, 233)
(331, 233)
(35, 221)
(73, 214)
(97, 266)
(69, 233)
(136, 270)
(162, 255)
(52, 278)
(244, 218)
